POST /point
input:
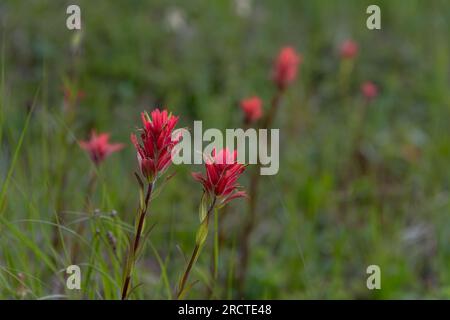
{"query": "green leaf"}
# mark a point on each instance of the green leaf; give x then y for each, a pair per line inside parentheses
(203, 209)
(202, 232)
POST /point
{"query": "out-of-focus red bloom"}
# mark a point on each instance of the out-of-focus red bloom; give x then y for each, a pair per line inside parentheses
(72, 95)
(286, 66)
(98, 147)
(369, 90)
(252, 108)
(222, 172)
(349, 49)
(154, 151)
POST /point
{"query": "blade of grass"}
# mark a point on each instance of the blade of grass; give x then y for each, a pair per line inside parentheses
(16, 154)
(163, 271)
(29, 243)
(2, 86)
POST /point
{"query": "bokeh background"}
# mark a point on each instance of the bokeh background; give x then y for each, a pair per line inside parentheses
(334, 208)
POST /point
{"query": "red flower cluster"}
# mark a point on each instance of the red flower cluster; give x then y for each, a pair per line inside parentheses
(98, 147)
(369, 90)
(286, 65)
(154, 153)
(222, 172)
(252, 108)
(349, 49)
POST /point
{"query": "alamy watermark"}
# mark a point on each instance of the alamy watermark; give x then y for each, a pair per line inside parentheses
(253, 146)
(73, 21)
(374, 280)
(374, 20)
(74, 280)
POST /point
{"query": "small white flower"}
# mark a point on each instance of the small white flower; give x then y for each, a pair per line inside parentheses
(243, 7)
(176, 20)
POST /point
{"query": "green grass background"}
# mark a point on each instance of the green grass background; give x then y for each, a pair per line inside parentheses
(315, 234)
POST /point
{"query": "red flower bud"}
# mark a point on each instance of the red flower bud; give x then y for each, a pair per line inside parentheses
(154, 151)
(252, 108)
(222, 172)
(99, 148)
(286, 66)
(369, 90)
(349, 49)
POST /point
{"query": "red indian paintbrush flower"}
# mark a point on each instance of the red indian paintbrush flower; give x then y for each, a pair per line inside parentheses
(222, 172)
(369, 90)
(252, 108)
(220, 186)
(286, 66)
(98, 147)
(349, 49)
(154, 151)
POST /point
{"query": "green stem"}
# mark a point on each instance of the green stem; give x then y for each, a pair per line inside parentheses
(131, 258)
(195, 253)
(244, 250)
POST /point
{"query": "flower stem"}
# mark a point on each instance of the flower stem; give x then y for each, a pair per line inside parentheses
(271, 114)
(244, 250)
(215, 255)
(345, 70)
(194, 257)
(198, 246)
(131, 258)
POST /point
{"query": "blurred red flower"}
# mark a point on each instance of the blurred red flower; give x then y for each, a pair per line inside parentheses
(369, 90)
(286, 66)
(222, 172)
(72, 95)
(252, 108)
(154, 151)
(349, 49)
(98, 147)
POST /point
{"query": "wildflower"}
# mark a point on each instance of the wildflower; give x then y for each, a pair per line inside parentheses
(222, 172)
(98, 147)
(154, 151)
(349, 49)
(252, 108)
(369, 90)
(220, 187)
(286, 65)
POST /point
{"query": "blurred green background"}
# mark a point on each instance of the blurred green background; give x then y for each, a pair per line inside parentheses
(329, 212)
